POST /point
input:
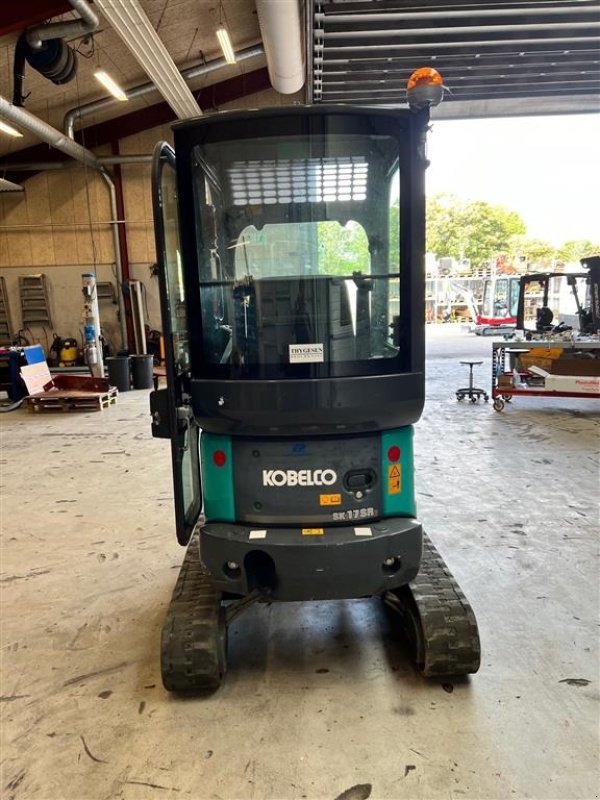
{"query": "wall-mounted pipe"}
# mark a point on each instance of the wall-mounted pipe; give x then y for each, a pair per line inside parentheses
(281, 31)
(114, 226)
(79, 112)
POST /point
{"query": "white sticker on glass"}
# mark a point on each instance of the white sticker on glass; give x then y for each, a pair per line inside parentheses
(306, 353)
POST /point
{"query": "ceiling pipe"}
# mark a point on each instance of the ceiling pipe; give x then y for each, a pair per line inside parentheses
(29, 122)
(129, 21)
(109, 161)
(80, 112)
(72, 28)
(42, 166)
(381, 17)
(281, 31)
(56, 139)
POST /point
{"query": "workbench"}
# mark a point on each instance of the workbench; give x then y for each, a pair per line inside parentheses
(504, 359)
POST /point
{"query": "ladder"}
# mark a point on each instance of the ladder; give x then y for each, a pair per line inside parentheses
(35, 309)
(6, 329)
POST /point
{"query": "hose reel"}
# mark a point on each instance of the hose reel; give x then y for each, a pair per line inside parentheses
(55, 60)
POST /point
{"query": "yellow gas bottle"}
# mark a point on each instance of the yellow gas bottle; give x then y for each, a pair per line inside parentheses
(69, 352)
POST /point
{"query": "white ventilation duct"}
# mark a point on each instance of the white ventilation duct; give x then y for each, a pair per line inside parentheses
(46, 133)
(72, 29)
(281, 31)
(130, 22)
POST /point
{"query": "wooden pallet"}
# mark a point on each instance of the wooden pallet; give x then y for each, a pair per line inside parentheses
(71, 400)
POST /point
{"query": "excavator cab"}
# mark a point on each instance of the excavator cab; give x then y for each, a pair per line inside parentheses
(291, 248)
(500, 300)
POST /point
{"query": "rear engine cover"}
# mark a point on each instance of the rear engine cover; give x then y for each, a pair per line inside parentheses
(315, 481)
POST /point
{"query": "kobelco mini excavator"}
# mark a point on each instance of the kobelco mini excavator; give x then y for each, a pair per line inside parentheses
(290, 244)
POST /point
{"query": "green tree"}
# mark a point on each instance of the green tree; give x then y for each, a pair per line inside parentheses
(532, 252)
(576, 249)
(342, 249)
(471, 229)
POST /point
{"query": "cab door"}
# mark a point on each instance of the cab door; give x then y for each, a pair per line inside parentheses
(172, 415)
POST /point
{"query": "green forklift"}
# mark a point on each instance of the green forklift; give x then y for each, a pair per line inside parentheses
(290, 245)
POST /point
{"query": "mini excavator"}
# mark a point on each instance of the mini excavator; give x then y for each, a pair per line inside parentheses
(290, 245)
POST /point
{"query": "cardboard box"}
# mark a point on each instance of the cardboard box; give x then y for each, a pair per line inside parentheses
(527, 361)
(505, 380)
(589, 367)
(539, 357)
(572, 383)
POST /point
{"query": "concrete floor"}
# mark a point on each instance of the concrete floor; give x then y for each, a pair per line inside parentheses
(320, 698)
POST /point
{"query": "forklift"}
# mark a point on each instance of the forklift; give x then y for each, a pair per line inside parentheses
(582, 291)
(290, 245)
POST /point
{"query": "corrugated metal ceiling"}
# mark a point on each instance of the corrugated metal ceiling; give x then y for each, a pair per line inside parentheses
(496, 57)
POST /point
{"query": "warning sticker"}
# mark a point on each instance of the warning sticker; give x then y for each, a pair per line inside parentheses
(330, 499)
(313, 531)
(394, 479)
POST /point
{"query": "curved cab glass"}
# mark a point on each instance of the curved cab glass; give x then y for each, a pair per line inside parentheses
(298, 254)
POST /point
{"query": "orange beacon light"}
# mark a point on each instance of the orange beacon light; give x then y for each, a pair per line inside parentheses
(425, 87)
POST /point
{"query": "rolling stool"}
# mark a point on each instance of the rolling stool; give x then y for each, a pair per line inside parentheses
(472, 393)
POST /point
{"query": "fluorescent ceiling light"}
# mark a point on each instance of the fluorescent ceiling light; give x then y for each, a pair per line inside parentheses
(9, 129)
(131, 23)
(225, 43)
(9, 186)
(109, 84)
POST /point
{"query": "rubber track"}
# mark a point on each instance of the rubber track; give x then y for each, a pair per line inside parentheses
(193, 634)
(450, 638)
